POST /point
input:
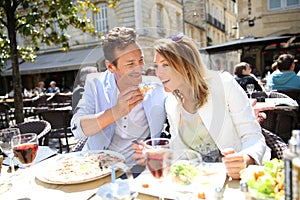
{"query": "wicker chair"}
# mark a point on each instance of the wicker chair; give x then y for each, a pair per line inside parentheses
(41, 127)
(280, 121)
(60, 125)
(79, 145)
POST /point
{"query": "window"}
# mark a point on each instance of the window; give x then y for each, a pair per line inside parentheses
(101, 19)
(283, 4)
(178, 21)
(159, 19)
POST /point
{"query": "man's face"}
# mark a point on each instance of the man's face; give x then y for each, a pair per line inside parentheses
(130, 62)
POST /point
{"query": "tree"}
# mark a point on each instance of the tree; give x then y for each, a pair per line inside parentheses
(37, 21)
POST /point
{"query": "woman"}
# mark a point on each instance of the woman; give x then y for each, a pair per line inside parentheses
(208, 111)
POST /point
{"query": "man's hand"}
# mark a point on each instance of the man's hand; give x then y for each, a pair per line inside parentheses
(127, 100)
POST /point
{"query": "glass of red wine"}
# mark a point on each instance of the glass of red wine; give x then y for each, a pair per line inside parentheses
(25, 148)
(158, 158)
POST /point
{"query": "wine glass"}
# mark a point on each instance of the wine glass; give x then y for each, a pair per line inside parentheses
(250, 89)
(158, 158)
(268, 90)
(25, 148)
(6, 136)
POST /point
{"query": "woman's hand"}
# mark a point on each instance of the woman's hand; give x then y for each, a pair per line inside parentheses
(235, 162)
(138, 155)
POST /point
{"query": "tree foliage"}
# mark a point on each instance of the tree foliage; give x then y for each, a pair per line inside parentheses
(39, 22)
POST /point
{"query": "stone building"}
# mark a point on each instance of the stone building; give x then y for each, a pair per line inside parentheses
(208, 22)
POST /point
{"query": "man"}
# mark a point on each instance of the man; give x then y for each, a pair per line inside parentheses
(53, 88)
(243, 76)
(113, 112)
(285, 77)
(79, 84)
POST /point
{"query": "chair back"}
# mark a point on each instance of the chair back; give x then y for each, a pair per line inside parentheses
(4, 115)
(276, 144)
(280, 122)
(294, 94)
(42, 128)
(79, 145)
(57, 118)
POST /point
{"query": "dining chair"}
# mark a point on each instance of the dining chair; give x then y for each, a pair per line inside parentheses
(41, 127)
(294, 94)
(60, 126)
(281, 122)
(79, 145)
(4, 115)
(276, 144)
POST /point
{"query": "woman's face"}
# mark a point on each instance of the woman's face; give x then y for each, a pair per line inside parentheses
(169, 77)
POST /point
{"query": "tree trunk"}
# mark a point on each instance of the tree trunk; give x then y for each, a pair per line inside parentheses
(17, 83)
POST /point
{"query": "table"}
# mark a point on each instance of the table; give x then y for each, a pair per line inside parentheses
(25, 184)
(277, 103)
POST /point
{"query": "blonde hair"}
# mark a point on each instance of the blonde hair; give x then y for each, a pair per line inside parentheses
(183, 55)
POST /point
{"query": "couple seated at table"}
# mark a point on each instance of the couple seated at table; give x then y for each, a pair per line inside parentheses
(206, 105)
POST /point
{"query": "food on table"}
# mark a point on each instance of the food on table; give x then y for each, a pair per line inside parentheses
(265, 181)
(73, 169)
(146, 87)
(183, 173)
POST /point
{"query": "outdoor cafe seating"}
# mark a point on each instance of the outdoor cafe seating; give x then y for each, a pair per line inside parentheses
(281, 120)
(60, 126)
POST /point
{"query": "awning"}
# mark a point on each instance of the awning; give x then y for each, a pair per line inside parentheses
(240, 43)
(59, 61)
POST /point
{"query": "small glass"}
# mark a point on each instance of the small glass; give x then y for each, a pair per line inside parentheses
(25, 148)
(250, 89)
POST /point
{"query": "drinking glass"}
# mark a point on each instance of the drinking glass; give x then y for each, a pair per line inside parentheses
(25, 148)
(6, 136)
(158, 158)
(268, 89)
(250, 89)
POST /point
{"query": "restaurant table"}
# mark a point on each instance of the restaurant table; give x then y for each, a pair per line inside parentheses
(277, 103)
(26, 185)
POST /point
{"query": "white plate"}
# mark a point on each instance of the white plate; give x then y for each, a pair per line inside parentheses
(170, 190)
(48, 165)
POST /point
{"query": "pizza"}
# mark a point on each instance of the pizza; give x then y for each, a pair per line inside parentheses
(146, 87)
(78, 169)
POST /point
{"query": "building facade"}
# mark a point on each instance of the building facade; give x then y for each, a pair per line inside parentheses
(269, 18)
(208, 22)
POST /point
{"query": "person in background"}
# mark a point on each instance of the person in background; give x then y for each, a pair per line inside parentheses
(285, 77)
(207, 110)
(53, 89)
(150, 71)
(79, 84)
(242, 73)
(40, 90)
(113, 111)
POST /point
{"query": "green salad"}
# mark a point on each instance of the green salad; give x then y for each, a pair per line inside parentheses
(183, 173)
(265, 181)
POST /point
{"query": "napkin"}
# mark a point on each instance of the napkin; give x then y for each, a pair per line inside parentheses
(115, 190)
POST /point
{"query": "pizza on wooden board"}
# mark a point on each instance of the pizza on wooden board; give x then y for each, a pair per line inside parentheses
(78, 169)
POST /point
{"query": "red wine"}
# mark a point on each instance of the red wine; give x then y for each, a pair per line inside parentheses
(156, 165)
(26, 153)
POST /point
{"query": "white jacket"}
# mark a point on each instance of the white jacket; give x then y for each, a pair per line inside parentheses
(227, 115)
